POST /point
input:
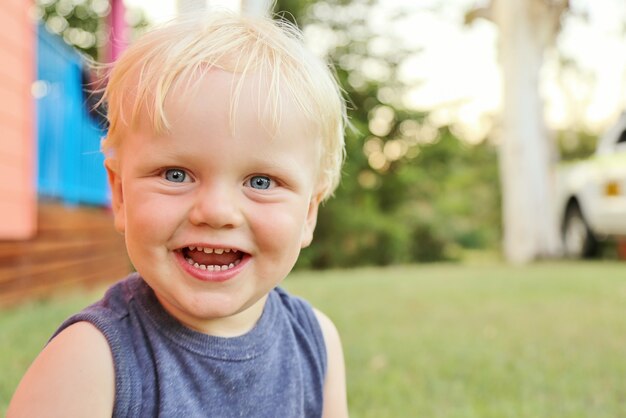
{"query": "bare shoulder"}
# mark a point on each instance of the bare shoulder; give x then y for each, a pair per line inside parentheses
(335, 400)
(73, 376)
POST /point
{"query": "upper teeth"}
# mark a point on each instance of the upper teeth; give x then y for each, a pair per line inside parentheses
(212, 250)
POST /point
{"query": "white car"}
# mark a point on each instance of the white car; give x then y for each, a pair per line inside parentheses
(591, 195)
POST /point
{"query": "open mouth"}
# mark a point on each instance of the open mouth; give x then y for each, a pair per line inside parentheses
(212, 259)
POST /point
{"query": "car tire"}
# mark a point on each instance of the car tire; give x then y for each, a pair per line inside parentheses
(578, 240)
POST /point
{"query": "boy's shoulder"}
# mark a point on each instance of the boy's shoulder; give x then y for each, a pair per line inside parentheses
(72, 376)
(113, 307)
(299, 310)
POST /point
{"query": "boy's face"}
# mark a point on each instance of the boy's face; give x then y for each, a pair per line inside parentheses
(215, 217)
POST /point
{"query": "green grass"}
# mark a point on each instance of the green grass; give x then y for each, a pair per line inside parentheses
(441, 340)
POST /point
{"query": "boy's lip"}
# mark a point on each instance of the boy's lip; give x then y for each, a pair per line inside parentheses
(211, 275)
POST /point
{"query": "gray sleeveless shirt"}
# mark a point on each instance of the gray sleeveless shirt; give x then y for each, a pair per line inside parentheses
(163, 369)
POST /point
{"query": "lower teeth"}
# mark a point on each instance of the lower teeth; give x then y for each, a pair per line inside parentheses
(212, 267)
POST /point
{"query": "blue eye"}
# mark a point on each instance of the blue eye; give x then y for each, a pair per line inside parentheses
(260, 182)
(175, 175)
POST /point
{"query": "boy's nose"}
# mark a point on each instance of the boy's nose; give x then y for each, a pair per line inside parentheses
(216, 207)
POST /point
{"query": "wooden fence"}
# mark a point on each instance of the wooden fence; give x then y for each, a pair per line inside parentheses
(74, 245)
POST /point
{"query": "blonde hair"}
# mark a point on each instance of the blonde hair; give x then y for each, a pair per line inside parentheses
(142, 77)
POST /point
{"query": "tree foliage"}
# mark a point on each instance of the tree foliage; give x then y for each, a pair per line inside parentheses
(411, 190)
(575, 145)
(81, 23)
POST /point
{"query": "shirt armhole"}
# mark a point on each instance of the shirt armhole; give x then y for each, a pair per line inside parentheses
(127, 401)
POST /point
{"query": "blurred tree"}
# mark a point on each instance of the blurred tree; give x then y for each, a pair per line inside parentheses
(527, 155)
(575, 145)
(82, 23)
(411, 191)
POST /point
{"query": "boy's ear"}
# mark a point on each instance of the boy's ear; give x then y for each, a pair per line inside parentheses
(311, 220)
(117, 194)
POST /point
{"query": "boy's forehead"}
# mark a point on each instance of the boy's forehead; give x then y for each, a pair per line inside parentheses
(237, 98)
(218, 107)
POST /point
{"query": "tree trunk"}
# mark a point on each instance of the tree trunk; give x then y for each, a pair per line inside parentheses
(526, 157)
(190, 6)
(256, 7)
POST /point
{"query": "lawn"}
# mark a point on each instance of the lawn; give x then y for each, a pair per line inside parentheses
(441, 340)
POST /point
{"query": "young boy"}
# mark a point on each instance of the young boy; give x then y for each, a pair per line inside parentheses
(225, 135)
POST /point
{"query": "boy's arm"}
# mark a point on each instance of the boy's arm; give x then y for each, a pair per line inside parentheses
(335, 400)
(72, 377)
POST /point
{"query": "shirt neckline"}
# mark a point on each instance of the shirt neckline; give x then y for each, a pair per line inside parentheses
(244, 347)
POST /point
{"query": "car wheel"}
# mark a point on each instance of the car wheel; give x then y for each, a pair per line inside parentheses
(578, 240)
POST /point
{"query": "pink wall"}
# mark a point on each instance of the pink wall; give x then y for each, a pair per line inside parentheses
(18, 202)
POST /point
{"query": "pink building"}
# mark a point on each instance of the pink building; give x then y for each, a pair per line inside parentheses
(18, 204)
(51, 241)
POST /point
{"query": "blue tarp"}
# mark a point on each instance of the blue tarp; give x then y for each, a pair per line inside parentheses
(70, 164)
